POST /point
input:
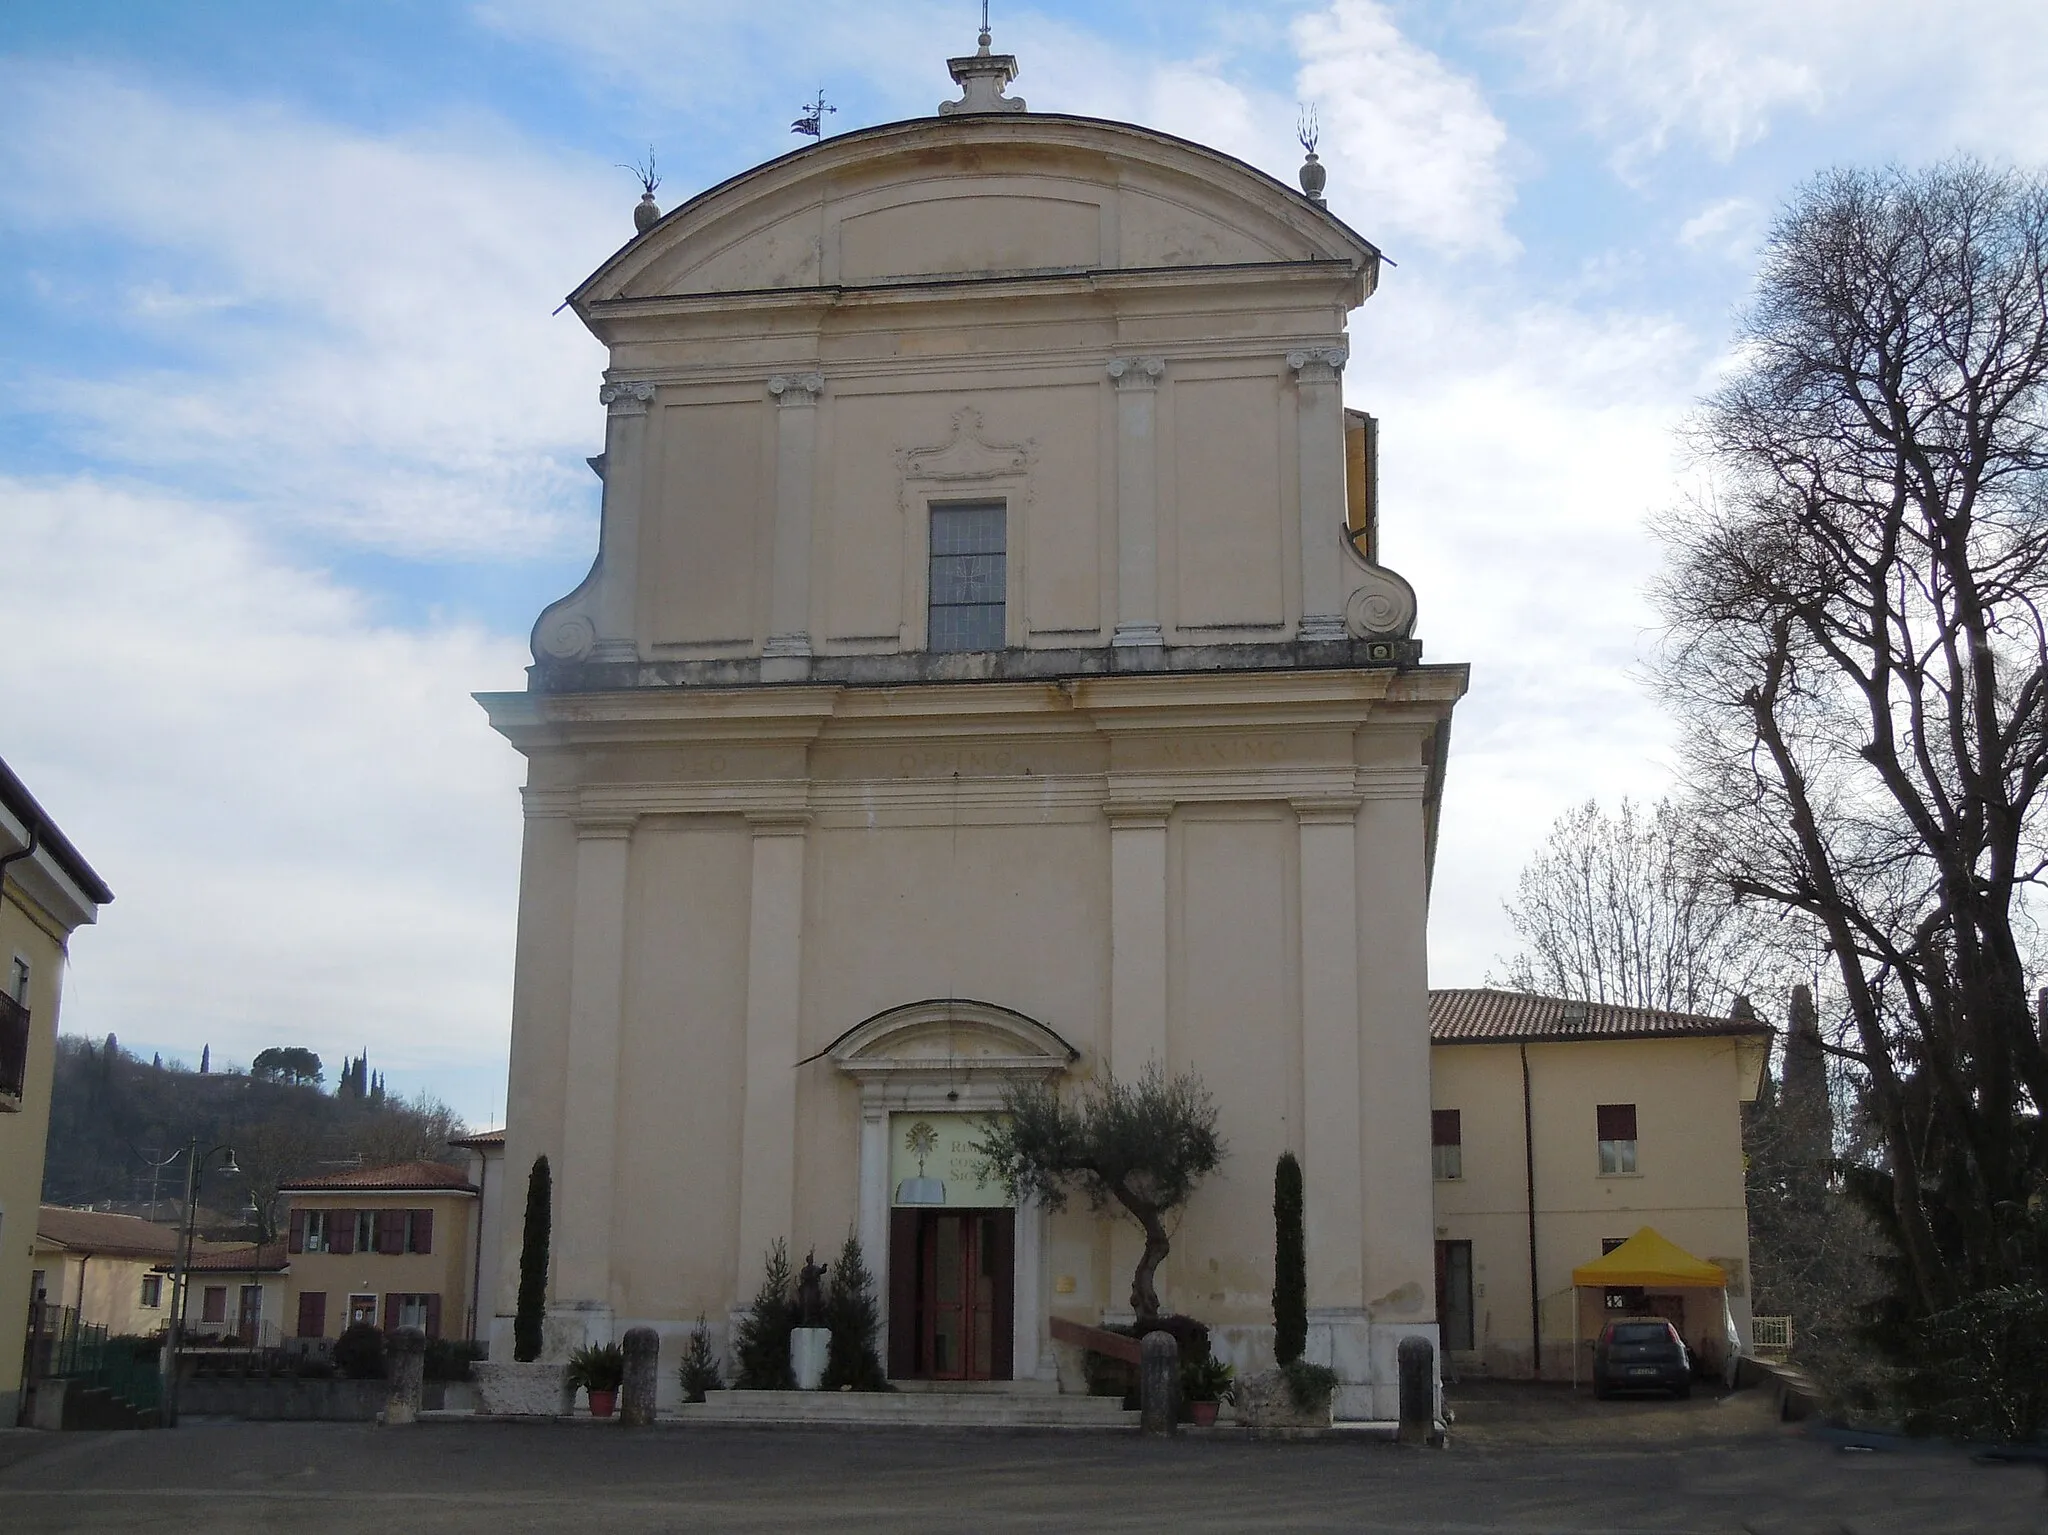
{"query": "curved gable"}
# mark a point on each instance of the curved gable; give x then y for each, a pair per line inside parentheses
(976, 197)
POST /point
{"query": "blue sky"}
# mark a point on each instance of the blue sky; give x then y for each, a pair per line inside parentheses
(291, 444)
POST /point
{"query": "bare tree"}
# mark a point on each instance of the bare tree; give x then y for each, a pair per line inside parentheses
(1618, 908)
(1858, 654)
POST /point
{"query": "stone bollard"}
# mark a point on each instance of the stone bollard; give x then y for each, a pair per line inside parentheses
(1417, 1360)
(1158, 1382)
(643, 1366)
(405, 1364)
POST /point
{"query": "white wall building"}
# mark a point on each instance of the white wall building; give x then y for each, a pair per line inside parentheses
(981, 675)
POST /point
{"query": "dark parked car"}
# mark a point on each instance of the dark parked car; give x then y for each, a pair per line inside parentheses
(1641, 1354)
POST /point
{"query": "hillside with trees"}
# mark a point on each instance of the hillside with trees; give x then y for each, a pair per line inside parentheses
(114, 1116)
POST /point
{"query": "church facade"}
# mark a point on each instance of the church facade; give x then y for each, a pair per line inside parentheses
(984, 675)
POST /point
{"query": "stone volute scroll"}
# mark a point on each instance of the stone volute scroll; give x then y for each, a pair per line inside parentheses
(797, 388)
(580, 627)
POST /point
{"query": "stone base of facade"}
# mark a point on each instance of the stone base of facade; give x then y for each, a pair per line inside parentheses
(526, 1390)
(1361, 1351)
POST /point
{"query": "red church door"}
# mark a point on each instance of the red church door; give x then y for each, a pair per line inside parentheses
(950, 1294)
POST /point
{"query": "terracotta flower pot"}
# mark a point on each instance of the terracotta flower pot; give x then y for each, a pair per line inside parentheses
(602, 1403)
(1204, 1414)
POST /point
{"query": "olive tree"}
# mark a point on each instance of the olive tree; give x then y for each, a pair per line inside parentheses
(1141, 1147)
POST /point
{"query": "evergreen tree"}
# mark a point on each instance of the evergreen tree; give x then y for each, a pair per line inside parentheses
(205, 1059)
(761, 1346)
(700, 1364)
(851, 1358)
(533, 1264)
(1290, 1264)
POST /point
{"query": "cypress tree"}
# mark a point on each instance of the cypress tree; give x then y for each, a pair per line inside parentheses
(533, 1264)
(1290, 1264)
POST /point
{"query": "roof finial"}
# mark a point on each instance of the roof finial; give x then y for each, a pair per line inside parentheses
(646, 214)
(813, 119)
(982, 76)
(1314, 174)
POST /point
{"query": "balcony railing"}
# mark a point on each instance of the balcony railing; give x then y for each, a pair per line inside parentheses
(13, 1051)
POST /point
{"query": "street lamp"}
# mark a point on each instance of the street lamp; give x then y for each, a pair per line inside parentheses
(194, 1162)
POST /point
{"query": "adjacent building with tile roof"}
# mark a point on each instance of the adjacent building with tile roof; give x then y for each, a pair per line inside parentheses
(1558, 1129)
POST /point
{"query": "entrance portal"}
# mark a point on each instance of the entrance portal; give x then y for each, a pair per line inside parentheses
(950, 1277)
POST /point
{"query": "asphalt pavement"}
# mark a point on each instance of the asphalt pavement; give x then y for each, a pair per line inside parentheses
(1523, 1464)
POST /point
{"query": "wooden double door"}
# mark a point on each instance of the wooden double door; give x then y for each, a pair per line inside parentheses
(951, 1274)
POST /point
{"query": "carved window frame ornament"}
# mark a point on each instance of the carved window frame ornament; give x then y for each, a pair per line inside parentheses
(966, 467)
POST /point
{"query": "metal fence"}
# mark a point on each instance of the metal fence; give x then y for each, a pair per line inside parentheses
(1771, 1334)
(61, 1347)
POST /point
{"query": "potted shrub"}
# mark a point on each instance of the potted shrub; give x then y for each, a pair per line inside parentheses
(1205, 1384)
(599, 1368)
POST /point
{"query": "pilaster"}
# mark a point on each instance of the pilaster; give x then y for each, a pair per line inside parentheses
(1319, 420)
(1137, 938)
(774, 1001)
(1331, 1167)
(626, 405)
(1137, 500)
(597, 965)
(786, 657)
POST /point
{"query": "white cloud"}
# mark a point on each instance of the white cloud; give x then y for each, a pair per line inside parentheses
(1412, 146)
(1732, 227)
(361, 323)
(1520, 450)
(311, 832)
(1720, 74)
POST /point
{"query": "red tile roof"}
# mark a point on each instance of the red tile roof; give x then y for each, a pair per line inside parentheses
(237, 1258)
(480, 1140)
(408, 1177)
(1484, 1017)
(102, 1231)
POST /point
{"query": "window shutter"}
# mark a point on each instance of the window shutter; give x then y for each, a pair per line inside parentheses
(1444, 1129)
(341, 1231)
(216, 1303)
(423, 1231)
(1617, 1121)
(391, 1231)
(391, 1312)
(297, 1242)
(433, 1316)
(313, 1314)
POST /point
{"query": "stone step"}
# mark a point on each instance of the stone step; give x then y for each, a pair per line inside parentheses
(924, 1409)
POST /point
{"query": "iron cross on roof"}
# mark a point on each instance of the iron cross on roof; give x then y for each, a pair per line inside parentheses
(812, 121)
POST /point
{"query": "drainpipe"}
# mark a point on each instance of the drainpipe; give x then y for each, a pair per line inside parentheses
(1529, 1165)
(35, 832)
(476, 1237)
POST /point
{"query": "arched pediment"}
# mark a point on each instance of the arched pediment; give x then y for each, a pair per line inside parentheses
(1006, 194)
(949, 1038)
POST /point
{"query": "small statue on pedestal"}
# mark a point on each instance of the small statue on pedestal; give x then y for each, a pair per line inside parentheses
(810, 1291)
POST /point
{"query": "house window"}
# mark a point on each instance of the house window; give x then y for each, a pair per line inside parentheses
(967, 577)
(1617, 1132)
(17, 980)
(152, 1290)
(316, 1231)
(366, 1231)
(1608, 1244)
(412, 1311)
(213, 1304)
(36, 1283)
(1446, 1145)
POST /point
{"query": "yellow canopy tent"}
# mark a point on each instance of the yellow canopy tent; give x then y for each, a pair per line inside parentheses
(1649, 1260)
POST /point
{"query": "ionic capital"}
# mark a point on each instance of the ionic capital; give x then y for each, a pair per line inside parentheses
(797, 388)
(1137, 372)
(1319, 364)
(626, 396)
